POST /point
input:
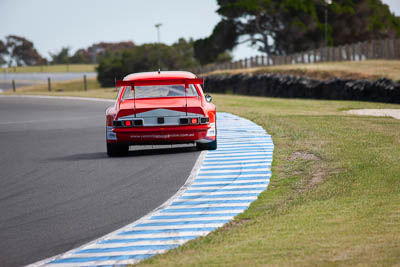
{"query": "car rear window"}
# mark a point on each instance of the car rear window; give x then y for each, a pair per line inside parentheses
(160, 91)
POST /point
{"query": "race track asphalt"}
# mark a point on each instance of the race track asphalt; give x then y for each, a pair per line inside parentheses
(58, 188)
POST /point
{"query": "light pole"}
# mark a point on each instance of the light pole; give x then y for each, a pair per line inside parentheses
(158, 25)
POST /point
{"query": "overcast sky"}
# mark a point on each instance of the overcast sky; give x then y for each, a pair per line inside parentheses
(53, 24)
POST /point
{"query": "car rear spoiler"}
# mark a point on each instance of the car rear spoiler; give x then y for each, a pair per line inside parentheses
(134, 83)
(185, 81)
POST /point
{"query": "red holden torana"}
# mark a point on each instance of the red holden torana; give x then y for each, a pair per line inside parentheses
(164, 107)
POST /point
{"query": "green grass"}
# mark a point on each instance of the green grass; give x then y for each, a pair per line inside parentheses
(343, 208)
(334, 196)
(53, 68)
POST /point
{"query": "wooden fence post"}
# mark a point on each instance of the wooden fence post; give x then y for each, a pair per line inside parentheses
(13, 86)
(84, 82)
(366, 45)
(373, 54)
(348, 52)
(353, 52)
(315, 52)
(321, 54)
(388, 54)
(49, 84)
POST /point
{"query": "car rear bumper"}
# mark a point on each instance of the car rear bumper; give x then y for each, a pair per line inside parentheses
(161, 135)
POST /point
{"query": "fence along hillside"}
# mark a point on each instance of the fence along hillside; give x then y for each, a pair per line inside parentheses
(376, 49)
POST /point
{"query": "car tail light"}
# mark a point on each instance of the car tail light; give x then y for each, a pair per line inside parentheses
(128, 123)
(186, 121)
(211, 115)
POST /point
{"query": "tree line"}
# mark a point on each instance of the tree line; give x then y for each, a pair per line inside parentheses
(19, 51)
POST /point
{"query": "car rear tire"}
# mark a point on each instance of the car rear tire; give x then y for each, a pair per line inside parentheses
(207, 146)
(114, 150)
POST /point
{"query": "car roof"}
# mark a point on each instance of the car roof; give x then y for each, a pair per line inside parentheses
(159, 75)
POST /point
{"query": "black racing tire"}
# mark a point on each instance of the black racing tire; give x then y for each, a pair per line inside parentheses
(116, 150)
(207, 146)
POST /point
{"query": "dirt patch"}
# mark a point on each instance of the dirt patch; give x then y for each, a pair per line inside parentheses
(303, 155)
(317, 178)
(394, 113)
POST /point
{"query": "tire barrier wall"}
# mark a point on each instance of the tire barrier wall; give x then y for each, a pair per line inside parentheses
(288, 86)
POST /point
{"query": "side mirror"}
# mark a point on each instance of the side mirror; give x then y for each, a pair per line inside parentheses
(208, 98)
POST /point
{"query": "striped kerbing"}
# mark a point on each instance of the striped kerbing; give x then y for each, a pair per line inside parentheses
(229, 179)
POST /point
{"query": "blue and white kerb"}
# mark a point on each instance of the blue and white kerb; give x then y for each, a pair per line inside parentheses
(225, 184)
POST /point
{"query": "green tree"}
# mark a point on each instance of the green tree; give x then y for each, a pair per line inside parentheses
(62, 57)
(96, 51)
(223, 38)
(287, 26)
(3, 52)
(185, 53)
(22, 52)
(361, 20)
(146, 57)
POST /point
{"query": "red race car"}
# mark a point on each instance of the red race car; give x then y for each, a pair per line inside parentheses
(164, 107)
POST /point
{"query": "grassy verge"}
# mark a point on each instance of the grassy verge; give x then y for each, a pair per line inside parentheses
(334, 197)
(53, 68)
(369, 70)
